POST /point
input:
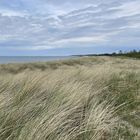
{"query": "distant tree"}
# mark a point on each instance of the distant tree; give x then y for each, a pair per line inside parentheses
(134, 51)
(114, 53)
(120, 52)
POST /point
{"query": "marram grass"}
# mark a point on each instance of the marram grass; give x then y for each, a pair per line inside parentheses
(91, 98)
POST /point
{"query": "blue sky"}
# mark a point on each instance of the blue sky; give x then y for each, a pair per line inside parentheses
(65, 27)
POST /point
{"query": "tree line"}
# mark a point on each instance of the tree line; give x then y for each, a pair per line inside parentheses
(133, 53)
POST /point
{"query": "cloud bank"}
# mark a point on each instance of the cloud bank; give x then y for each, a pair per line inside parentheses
(50, 24)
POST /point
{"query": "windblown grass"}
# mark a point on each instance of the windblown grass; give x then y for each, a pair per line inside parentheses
(91, 98)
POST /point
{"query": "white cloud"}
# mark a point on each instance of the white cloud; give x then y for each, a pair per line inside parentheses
(5, 12)
(130, 8)
(86, 39)
(46, 24)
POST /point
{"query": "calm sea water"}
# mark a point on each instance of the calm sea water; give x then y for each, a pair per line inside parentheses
(26, 59)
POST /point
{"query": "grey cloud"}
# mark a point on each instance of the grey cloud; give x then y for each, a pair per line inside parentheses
(97, 21)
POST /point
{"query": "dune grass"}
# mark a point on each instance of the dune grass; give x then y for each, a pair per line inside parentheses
(89, 98)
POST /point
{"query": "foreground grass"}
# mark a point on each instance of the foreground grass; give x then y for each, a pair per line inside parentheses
(91, 98)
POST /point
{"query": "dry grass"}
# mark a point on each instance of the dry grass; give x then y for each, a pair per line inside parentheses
(92, 98)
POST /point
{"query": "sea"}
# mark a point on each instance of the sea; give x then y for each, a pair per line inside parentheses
(30, 59)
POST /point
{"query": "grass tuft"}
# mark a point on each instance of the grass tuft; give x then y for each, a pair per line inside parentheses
(90, 98)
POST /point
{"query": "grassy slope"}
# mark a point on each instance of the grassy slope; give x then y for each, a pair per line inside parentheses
(91, 98)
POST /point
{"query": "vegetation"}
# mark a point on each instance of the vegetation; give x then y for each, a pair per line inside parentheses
(132, 54)
(87, 98)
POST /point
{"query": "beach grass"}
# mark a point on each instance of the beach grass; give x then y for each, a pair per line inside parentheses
(85, 98)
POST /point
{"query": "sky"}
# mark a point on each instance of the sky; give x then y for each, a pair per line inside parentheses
(68, 27)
